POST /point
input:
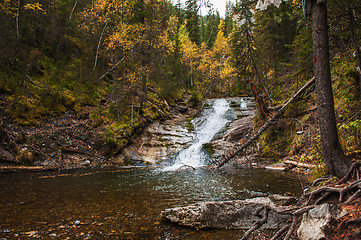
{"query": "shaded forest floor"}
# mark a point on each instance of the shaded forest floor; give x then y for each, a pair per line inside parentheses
(64, 142)
(351, 230)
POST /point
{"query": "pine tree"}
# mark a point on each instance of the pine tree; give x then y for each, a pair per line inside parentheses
(192, 21)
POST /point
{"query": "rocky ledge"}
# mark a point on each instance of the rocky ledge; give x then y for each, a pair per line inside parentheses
(317, 222)
(237, 214)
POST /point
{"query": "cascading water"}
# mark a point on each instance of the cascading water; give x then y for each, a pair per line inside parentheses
(212, 123)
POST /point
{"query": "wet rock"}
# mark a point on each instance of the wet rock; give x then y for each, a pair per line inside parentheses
(317, 223)
(283, 200)
(237, 130)
(159, 142)
(238, 214)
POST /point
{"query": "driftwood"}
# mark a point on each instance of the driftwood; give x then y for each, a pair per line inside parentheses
(239, 149)
(298, 164)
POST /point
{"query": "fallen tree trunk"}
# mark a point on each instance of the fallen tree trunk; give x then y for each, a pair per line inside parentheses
(298, 164)
(227, 157)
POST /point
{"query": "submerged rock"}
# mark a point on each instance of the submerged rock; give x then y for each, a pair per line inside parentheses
(237, 214)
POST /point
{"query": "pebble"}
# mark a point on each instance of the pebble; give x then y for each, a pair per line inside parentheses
(77, 223)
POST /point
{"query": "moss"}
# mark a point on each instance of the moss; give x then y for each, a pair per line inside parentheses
(188, 124)
(25, 157)
(276, 140)
(208, 147)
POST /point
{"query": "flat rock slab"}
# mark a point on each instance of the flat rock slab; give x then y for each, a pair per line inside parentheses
(237, 214)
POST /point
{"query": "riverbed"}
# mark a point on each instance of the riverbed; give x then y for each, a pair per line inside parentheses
(124, 203)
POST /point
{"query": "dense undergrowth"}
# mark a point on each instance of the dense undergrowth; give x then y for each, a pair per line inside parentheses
(296, 135)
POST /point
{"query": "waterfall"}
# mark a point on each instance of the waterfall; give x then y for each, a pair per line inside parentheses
(243, 103)
(211, 123)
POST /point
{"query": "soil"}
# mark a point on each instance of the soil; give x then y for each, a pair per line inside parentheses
(352, 230)
(63, 142)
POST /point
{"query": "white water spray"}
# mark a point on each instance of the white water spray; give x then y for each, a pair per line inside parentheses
(214, 122)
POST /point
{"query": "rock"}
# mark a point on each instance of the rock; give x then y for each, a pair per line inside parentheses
(159, 142)
(235, 132)
(317, 222)
(239, 128)
(283, 200)
(237, 214)
(85, 163)
(76, 223)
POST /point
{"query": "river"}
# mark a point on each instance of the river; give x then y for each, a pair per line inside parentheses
(125, 203)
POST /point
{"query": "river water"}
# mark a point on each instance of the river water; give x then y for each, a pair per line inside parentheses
(125, 203)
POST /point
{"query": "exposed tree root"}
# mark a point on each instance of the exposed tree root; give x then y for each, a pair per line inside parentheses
(258, 223)
(280, 232)
(346, 194)
(354, 170)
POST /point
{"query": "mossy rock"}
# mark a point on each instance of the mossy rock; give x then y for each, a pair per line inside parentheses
(25, 157)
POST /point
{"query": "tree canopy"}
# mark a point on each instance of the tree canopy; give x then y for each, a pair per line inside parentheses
(125, 63)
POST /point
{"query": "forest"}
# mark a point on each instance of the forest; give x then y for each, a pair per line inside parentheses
(81, 80)
(123, 64)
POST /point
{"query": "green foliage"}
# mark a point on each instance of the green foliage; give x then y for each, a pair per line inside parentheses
(195, 100)
(351, 137)
(276, 140)
(116, 137)
(346, 85)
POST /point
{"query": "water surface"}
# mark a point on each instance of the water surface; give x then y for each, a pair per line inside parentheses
(124, 203)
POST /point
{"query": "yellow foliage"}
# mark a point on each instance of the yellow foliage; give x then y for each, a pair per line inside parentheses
(34, 7)
(11, 7)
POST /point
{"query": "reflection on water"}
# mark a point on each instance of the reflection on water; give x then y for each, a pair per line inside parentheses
(123, 203)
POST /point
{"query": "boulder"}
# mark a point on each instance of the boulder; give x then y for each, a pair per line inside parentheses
(237, 214)
(317, 222)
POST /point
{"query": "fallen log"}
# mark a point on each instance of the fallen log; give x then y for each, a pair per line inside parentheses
(227, 157)
(298, 164)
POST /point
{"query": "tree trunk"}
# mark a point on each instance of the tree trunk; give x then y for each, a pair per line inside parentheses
(336, 162)
(143, 94)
